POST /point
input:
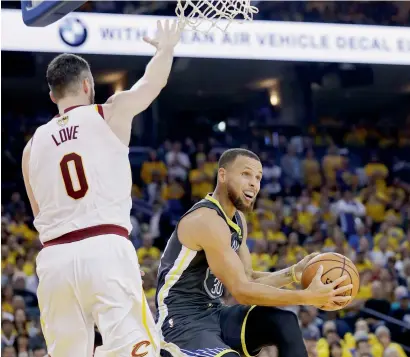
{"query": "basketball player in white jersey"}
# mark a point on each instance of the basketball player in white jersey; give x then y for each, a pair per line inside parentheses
(78, 179)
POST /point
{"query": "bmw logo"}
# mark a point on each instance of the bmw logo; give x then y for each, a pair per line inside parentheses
(73, 32)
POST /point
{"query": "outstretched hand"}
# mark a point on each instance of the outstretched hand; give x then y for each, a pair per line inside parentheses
(166, 37)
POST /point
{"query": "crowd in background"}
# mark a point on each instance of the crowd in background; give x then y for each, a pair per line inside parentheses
(315, 196)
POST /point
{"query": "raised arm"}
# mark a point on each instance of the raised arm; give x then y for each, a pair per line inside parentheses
(25, 168)
(205, 230)
(122, 107)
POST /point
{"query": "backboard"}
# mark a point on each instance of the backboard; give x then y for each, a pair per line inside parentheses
(42, 13)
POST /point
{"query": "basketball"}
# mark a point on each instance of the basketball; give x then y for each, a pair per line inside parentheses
(334, 266)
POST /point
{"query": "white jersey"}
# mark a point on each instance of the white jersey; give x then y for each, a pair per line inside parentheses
(80, 174)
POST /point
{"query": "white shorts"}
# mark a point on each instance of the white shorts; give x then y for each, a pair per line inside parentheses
(94, 281)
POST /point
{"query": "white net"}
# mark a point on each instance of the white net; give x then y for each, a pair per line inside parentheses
(204, 15)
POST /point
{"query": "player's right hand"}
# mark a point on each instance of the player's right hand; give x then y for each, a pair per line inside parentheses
(166, 37)
(320, 294)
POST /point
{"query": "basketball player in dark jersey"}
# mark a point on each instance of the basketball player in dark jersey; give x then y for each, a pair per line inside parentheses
(206, 253)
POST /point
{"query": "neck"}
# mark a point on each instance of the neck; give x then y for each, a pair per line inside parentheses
(73, 101)
(224, 201)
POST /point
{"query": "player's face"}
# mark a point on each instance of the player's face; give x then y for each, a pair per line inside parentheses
(243, 181)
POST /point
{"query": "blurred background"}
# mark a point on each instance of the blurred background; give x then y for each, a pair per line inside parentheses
(334, 139)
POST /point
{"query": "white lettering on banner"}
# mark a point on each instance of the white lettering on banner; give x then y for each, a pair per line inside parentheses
(265, 40)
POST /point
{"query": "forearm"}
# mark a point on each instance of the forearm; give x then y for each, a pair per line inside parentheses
(276, 279)
(159, 68)
(263, 295)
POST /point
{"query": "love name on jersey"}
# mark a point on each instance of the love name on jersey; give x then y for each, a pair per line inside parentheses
(65, 134)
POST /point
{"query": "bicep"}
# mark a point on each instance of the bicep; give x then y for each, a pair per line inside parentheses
(226, 265)
(208, 232)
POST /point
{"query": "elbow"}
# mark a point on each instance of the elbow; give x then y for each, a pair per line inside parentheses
(242, 293)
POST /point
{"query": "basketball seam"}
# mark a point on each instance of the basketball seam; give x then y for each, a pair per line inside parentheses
(334, 260)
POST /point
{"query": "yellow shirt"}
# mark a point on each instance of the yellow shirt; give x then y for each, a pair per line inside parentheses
(261, 262)
(376, 211)
(394, 237)
(6, 307)
(173, 191)
(305, 219)
(331, 163)
(323, 348)
(150, 293)
(148, 168)
(366, 265)
(365, 292)
(200, 189)
(256, 234)
(21, 229)
(370, 170)
(373, 342)
(153, 252)
(211, 168)
(311, 169)
(276, 236)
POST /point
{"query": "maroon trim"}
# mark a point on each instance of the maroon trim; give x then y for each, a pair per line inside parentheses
(73, 107)
(66, 110)
(100, 110)
(89, 232)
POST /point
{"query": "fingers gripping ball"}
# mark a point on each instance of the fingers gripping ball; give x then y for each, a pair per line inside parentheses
(334, 266)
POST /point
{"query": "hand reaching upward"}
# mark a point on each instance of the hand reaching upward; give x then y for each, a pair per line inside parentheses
(166, 37)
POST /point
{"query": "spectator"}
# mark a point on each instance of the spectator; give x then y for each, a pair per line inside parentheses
(8, 335)
(22, 345)
(201, 180)
(39, 352)
(378, 302)
(310, 340)
(331, 163)
(383, 335)
(311, 170)
(292, 171)
(349, 210)
(377, 173)
(307, 325)
(178, 162)
(9, 351)
(363, 347)
(153, 165)
(271, 175)
(147, 251)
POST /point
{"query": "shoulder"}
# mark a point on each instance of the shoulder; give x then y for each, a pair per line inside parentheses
(203, 217)
(202, 227)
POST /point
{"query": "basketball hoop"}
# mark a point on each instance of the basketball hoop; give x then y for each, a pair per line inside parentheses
(204, 15)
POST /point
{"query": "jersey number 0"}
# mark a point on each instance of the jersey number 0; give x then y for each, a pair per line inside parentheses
(79, 170)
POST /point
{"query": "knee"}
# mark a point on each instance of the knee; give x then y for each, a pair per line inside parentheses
(284, 323)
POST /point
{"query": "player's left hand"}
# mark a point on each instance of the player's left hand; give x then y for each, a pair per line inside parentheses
(167, 35)
(302, 264)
